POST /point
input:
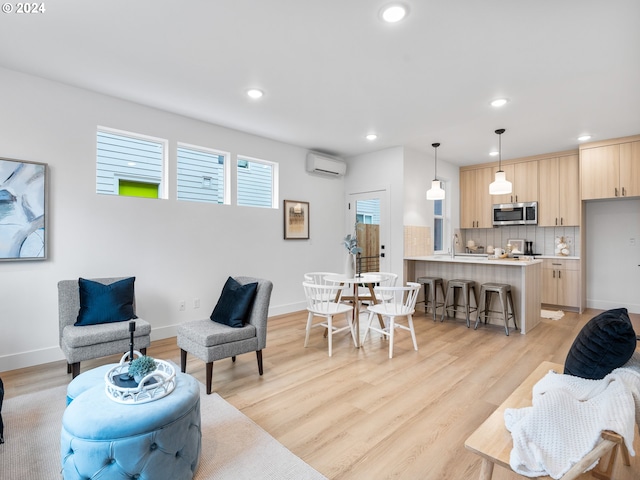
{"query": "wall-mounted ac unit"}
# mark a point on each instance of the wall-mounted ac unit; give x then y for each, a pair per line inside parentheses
(323, 165)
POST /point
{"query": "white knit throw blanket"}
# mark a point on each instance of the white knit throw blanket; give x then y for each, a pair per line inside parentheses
(567, 418)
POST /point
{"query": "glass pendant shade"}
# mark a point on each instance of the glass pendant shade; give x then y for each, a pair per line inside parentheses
(435, 192)
(501, 186)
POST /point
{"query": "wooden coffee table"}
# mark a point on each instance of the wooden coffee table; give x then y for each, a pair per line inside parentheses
(492, 441)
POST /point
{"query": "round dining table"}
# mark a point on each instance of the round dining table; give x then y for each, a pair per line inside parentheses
(368, 280)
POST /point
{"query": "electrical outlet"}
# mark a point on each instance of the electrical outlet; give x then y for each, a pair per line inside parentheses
(568, 240)
(632, 241)
(196, 303)
(182, 305)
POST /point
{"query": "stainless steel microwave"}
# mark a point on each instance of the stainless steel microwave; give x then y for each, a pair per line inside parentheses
(515, 214)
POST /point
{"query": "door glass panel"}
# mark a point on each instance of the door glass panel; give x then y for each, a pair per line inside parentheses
(368, 231)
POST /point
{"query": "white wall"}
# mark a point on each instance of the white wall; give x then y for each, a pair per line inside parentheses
(376, 171)
(177, 250)
(613, 258)
(418, 174)
(407, 175)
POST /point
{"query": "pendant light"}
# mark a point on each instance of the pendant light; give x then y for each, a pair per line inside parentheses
(435, 192)
(500, 186)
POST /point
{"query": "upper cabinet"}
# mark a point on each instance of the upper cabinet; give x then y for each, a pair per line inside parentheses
(524, 178)
(475, 201)
(559, 202)
(610, 169)
(550, 179)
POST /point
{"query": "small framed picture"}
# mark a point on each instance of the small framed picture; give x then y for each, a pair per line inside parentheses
(296, 220)
(517, 245)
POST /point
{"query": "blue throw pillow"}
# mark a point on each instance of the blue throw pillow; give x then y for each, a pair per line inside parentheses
(605, 343)
(234, 303)
(101, 303)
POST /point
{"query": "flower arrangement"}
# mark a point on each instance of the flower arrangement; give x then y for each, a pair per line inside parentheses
(351, 242)
(141, 366)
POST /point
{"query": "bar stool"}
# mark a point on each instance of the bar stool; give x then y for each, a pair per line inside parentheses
(430, 290)
(453, 288)
(506, 300)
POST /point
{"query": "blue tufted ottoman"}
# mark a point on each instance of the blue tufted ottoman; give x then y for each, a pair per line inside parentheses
(87, 380)
(157, 440)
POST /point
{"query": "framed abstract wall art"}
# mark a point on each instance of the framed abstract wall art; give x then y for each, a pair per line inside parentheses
(23, 210)
(296, 220)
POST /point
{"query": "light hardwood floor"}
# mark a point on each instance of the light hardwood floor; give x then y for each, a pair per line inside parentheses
(359, 414)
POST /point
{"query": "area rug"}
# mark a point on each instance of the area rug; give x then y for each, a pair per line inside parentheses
(553, 315)
(233, 446)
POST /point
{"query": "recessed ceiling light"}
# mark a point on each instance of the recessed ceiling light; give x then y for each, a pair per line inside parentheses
(394, 12)
(584, 138)
(499, 102)
(371, 136)
(255, 93)
(494, 153)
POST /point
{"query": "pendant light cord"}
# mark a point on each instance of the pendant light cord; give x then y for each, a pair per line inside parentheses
(435, 146)
(500, 131)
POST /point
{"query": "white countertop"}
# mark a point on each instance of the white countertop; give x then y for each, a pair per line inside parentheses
(512, 262)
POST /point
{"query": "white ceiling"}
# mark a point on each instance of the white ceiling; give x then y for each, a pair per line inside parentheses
(332, 71)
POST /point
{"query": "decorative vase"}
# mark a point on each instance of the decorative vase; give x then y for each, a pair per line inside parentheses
(350, 266)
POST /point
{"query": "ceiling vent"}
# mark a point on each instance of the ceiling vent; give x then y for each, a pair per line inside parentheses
(323, 165)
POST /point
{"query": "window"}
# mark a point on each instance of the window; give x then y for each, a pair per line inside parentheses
(130, 164)
(257, 183)
(202, 175)
(438, 225)
(368, 211)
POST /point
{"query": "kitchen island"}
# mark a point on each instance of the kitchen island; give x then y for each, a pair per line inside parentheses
(524, 276)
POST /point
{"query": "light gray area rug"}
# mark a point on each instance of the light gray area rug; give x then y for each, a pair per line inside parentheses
(233, 446)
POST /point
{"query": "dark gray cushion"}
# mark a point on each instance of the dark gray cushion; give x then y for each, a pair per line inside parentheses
(605, 343)
(234, 303)
(100, 303)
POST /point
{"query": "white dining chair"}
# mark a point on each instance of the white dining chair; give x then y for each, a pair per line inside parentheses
(321, 303)
(394, 302)
(320, 278)
(386, 280)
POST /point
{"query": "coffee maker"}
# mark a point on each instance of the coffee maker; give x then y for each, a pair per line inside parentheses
(528, 248)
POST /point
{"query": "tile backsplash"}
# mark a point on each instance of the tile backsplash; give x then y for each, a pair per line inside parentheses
(417, 241)
(543, 238)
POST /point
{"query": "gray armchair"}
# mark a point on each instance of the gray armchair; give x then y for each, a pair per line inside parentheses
(210, 341)
(79, 343)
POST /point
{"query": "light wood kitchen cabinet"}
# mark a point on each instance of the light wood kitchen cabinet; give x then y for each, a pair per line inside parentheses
(610, 171)
(630, 169)
(559, 202)
(475, 201)
(524, 179)
(561, 282)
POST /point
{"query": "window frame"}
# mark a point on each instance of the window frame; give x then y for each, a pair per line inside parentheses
(274, 180)
(442, 217)
(163, 184)
(226, 195)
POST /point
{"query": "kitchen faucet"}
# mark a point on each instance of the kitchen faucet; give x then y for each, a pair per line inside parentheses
(454, 242)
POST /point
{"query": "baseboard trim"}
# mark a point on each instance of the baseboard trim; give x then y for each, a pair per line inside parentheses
(54, 354)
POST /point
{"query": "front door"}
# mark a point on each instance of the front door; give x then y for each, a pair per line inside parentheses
(367, 211)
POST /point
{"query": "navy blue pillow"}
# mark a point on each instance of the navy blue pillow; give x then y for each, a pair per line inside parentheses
(234, 303)
(605, 343)
(101, 303)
